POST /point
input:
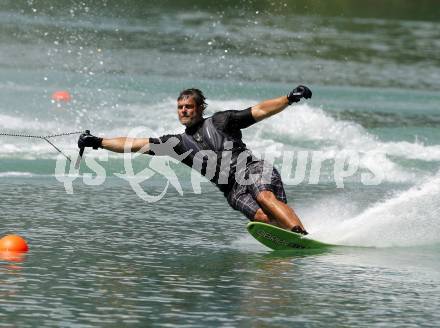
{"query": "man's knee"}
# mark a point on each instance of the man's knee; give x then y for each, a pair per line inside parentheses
(266, 197)
(260, 216)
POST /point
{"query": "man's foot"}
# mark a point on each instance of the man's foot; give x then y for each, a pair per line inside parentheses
(300, 230)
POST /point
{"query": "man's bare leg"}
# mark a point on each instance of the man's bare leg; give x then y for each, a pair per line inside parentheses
(277, 210)
(260, 216)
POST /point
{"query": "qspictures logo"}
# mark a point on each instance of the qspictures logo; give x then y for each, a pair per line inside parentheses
(344, 165)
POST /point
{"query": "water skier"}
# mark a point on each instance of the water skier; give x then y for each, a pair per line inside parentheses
(250, 185)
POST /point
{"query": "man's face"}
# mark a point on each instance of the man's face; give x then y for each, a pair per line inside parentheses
(188, 112)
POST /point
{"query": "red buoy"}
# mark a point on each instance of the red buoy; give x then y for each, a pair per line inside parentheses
(61, 96)
(13, 243)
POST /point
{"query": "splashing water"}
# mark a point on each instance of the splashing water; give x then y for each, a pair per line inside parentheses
(410, 218)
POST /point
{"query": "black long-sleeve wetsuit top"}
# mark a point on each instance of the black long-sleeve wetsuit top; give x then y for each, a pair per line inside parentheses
(214, 143)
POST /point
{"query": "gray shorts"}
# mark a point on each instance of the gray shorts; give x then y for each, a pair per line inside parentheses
(243, 197)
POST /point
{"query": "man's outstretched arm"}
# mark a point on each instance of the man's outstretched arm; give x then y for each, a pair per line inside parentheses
(118, 145)
(268, 108)
(122, 144)
(271, 107)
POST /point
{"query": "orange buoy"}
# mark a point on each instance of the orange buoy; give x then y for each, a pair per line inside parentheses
(13, 243)
(61, 96)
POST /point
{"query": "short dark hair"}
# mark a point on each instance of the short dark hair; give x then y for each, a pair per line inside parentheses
(197, 95)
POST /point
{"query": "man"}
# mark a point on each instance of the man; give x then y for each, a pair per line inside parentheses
(249, 185)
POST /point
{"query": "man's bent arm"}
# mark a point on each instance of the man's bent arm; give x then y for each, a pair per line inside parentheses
(124, 144)
(269, 107)
(273, 106)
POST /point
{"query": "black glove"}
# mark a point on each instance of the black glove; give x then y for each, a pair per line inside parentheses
(87, 140)
(299, 92)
